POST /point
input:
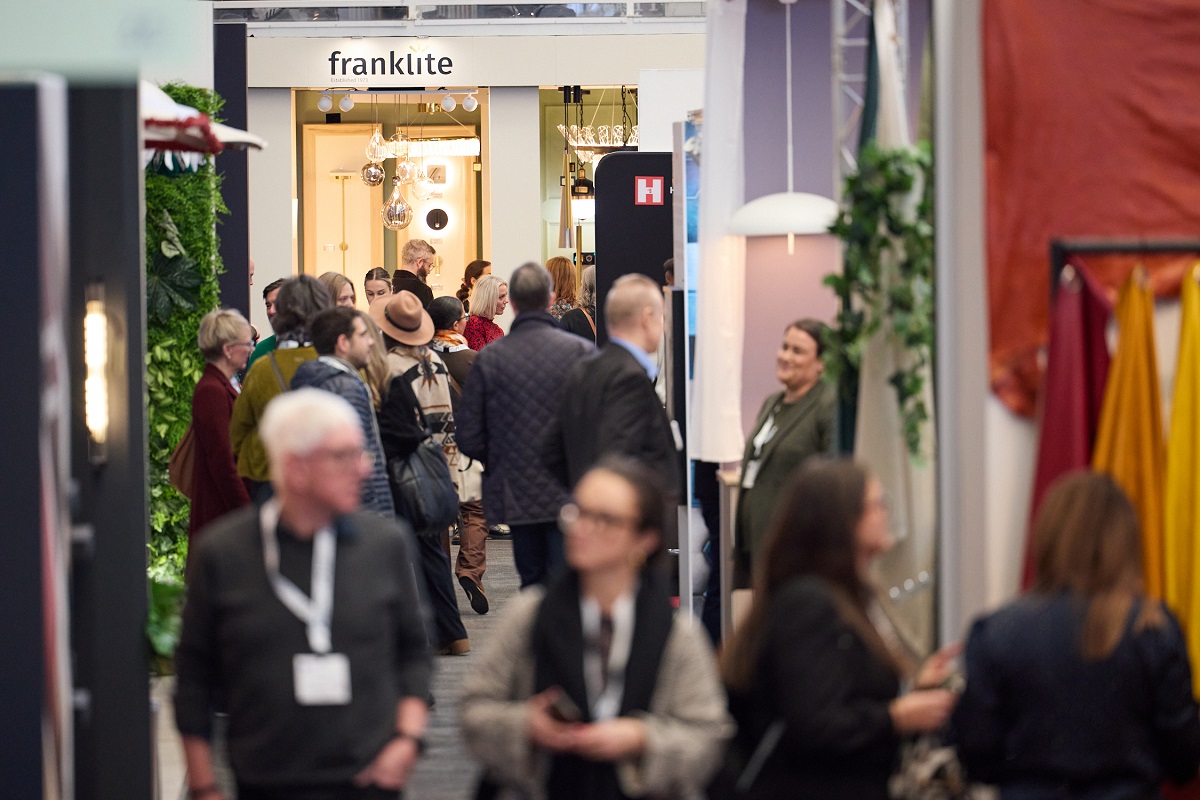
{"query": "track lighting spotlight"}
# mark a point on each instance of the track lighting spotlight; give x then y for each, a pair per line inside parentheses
(470, 103)
(324, 103)
(449, 103)
(346, 103)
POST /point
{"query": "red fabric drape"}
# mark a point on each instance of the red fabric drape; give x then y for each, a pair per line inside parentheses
(1092, 123)
(1073, 392)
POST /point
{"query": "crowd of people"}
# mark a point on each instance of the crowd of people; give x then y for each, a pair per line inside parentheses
(318, 599)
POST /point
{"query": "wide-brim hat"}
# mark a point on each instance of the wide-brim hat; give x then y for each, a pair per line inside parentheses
(402, 317)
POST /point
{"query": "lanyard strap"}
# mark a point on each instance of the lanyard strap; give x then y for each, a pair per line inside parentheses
(315, 612)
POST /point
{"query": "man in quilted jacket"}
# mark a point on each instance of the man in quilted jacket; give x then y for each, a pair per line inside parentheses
(510, 398)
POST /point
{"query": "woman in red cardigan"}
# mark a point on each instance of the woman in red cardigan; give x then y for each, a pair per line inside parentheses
(224, 341)
(488, 301)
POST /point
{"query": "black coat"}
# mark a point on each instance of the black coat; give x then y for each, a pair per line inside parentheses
(1040, 721)
(817, 675)
(510, 397)
(609, 406)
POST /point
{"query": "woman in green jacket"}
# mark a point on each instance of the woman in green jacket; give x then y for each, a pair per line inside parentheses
(792, 425)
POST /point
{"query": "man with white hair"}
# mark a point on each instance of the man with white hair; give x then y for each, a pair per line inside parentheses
(304, 623)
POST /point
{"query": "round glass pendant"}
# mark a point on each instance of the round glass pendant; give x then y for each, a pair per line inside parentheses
(406, 170)
(372, 174)
(398, 145)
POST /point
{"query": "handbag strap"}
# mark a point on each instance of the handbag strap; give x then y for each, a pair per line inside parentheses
(278, 375)
(589, 319)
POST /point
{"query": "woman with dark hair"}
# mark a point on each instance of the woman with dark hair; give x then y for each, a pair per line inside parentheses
(474, 271)
(1081, 688)
(377, 283)
(595, 687)
(298, 301)
(812, 683)
(449, 321)
(792, 425)
(563, 272)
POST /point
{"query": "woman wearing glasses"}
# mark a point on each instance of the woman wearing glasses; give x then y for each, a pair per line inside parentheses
(594, 687)
(224, 341)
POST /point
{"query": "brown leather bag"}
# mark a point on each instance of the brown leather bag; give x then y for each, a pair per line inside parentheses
(182, 463)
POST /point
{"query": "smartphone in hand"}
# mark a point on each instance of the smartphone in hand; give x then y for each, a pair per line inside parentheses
(564, 709)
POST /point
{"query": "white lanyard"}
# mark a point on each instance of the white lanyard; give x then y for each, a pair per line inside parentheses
(316, 612)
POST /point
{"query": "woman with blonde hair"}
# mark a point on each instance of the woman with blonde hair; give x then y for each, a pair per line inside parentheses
(563, 272)
(341, 290)
(1081, 688)
(224, 341)
(581, 320)
(489, 298)
(813, 684)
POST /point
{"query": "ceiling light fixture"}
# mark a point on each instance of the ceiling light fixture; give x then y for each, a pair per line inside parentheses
(346, 103)
(449, 103)
(789, 213)
(324, 104)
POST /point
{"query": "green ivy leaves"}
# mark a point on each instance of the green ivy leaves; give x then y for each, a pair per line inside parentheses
(887, 218)
(172, 278)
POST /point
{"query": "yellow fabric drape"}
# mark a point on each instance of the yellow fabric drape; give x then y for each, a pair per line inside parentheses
(1129, 445)
(1182, 499)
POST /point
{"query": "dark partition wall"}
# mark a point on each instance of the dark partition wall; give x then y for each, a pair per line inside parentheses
(29, 203)
(229, 80)
(108, 582)
(633, 221)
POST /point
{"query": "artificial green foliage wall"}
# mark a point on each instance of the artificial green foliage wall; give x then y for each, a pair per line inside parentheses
(191, 202)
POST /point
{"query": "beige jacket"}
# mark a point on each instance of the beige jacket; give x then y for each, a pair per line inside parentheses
(686, 728)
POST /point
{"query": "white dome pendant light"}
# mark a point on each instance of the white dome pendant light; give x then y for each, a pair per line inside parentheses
(789, 213)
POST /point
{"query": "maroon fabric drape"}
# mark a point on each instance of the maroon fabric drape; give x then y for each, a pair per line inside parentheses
(1073, 390)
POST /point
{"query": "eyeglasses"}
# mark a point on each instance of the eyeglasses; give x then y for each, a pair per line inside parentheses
(348, 457)
(572, 514)
(243, 344)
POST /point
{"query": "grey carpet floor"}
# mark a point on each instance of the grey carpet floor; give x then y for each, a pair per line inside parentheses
(447, 772)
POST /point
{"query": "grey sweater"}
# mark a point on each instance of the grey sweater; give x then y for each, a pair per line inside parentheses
(238, 642)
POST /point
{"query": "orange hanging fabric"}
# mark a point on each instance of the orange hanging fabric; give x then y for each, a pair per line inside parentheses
(1129, 444)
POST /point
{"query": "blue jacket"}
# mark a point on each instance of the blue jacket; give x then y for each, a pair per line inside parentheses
(511, 397)
(336, 376)
(1041, 722)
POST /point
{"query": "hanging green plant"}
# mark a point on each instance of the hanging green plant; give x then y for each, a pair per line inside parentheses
(173, 279)
(887, 218)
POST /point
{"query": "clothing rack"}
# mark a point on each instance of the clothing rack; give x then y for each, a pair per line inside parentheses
(1062, 249)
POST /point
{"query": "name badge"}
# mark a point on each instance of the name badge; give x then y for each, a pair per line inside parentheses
(321, 680)
(751, 474)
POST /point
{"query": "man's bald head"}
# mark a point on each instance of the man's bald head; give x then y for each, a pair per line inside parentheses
(633, 311)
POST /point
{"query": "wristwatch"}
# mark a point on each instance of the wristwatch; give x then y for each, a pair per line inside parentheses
(419, 741)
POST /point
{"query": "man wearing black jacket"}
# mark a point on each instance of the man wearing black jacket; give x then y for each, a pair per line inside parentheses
(608, 404)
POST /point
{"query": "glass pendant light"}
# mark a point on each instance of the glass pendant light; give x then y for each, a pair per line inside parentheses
(423, 187)
(377, 148)
(397, 214)
(372, 174)
(398, 145)
(406, 171)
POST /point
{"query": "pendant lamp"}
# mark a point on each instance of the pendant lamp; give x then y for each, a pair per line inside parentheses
(789, 213)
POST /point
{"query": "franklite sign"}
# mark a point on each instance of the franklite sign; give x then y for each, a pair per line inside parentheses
(418, 61)
(456, 61)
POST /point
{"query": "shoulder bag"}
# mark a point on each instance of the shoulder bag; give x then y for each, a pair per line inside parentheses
(182, 464)
(425, 493)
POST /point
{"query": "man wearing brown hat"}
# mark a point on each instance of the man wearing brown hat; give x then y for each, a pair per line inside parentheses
(419, 388)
